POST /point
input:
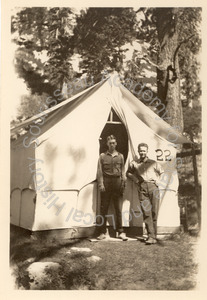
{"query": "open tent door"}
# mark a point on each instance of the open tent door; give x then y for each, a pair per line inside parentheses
(115, 127)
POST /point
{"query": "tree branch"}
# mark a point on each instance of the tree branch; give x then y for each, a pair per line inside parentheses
(161, 68)
(178, 47)
(134, 64)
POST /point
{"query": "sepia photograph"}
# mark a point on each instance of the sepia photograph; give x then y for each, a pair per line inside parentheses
(105, 147)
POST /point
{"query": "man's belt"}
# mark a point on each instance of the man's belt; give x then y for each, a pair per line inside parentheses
(147, 181)
(111, 176)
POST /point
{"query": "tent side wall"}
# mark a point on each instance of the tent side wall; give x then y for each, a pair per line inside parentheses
(169, 213)
(79, 211)
(66, 209)
(23, 194)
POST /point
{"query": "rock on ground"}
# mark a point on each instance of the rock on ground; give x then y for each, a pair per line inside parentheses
(93, 258)
(80, 249)
(38, 274)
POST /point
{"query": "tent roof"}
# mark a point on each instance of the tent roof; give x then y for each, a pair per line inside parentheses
(54, 108)
(144, 113)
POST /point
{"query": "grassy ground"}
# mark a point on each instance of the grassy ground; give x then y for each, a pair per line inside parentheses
(168, 265)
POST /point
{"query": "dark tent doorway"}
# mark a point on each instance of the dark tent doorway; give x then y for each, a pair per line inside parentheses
(116, 127)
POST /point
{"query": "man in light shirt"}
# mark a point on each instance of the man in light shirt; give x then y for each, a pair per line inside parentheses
(145, 173)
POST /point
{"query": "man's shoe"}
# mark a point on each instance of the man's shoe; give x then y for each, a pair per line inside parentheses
(122, 236)
(150, 241)
(102, 236)
(141, 239)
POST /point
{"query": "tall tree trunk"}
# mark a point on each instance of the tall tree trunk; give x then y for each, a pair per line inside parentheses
(168, 81)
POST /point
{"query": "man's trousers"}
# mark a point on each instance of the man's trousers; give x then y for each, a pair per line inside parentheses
(112, 194)
(149, 197)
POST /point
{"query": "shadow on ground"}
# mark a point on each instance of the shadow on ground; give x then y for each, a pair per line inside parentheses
(168, 265)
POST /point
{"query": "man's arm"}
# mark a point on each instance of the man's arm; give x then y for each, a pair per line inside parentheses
(123, 175)
(159, 169)
(100, 176)
(130, 173)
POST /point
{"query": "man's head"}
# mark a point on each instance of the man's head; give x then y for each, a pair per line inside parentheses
(142, 150)
(111, 142)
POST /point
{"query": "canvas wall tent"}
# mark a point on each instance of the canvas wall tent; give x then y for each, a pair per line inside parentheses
(53, 168)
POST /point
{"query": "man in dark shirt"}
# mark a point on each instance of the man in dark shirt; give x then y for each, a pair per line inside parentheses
(111, 181)
(145, 173)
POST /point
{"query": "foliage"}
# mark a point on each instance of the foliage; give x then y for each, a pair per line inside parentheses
(188, 25)
(49, 31)
(30, 69)
(192, 118)
(99, 35)
(31, 104)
